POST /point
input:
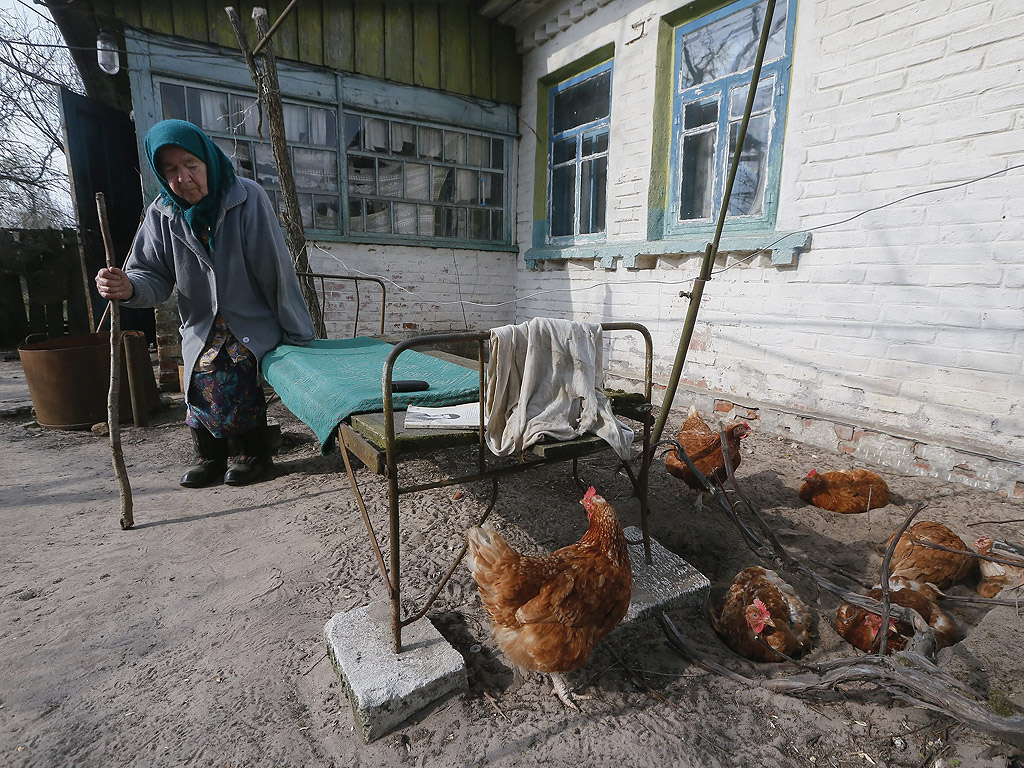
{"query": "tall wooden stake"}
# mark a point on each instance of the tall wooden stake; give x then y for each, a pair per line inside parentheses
(267, 85)
(114, 394)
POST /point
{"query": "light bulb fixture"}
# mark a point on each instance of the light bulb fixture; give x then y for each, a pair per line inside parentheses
(107, 55)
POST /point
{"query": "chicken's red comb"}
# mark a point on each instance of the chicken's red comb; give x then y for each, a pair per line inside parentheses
(591, 493)
(812, 473)
(760, 605)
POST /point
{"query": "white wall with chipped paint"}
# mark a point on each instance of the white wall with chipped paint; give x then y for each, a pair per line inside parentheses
(899, 336)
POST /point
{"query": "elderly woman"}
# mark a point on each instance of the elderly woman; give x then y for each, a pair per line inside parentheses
(216, 237)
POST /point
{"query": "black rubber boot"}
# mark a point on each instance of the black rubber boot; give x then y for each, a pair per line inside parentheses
(254, 461)
(211, 459)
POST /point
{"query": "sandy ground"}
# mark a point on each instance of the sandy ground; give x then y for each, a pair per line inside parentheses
(196, 637)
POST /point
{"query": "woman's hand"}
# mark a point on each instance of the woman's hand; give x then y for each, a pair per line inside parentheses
(113, 283)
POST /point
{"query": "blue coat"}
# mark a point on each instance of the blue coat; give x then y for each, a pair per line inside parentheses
(249, 279)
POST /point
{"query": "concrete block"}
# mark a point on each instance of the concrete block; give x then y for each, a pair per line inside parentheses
(387, 688)
(668, 582)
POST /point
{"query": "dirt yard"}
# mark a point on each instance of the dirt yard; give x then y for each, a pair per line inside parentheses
(195, 638)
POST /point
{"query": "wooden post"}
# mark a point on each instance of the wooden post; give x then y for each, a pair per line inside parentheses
(267, 85)
(113, 420)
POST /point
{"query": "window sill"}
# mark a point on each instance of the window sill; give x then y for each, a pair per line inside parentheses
(635, 254)
(364, 238)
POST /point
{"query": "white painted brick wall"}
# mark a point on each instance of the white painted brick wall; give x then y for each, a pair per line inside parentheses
(908, 319)
(425, 286)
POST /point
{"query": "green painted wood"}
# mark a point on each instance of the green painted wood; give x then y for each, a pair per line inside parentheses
(220, 31)
(480, 56)
(398, 51)
(286, 38)
(369, 38)
(506, 65)
(426, 45)
(189, 18)
(128, 11)
(156, 15)
(371, 427)
(456, 65)
(339, 36)
(309, 19)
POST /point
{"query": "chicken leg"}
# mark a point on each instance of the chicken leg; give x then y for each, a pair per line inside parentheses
(565, 693)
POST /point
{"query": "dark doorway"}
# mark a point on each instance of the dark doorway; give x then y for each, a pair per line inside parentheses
(103, 157)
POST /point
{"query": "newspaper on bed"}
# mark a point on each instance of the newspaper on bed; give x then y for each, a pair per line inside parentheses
(465, 416)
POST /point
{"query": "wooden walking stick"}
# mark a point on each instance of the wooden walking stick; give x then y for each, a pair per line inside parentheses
(113, 396)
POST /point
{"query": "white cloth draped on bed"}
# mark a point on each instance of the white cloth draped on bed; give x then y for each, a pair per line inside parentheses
(545, 379)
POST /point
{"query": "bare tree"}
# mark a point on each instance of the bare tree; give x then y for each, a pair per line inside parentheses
(34, 64)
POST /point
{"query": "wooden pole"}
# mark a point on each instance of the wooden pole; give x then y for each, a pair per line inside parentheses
(273, 28)
(267, 85)
(113, 421)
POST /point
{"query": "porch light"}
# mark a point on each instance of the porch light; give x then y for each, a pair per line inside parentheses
(107, 55)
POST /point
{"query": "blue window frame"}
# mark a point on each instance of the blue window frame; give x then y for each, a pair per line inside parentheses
(714, 57)
(580, 118)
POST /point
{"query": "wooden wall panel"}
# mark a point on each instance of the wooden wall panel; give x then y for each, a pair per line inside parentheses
(456, 64)
(309, 16)
(221, 32)
(189, 20)
(369, 38)
(339, 36)
(286, 38)
(398, 38)
(506, 65)
(426, 45)
(480, 60)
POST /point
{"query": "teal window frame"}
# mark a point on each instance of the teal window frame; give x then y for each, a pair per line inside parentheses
(156, 59)
(592, 131)
(724, 92)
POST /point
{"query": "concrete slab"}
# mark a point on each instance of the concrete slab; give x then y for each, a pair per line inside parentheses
(384, 688)
(668, 582)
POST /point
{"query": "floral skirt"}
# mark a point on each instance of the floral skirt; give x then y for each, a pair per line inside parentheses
(226, 396)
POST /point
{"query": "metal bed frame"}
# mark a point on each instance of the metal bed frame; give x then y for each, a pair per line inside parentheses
(380, 447)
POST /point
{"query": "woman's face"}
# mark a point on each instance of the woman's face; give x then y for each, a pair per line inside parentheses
(185, 173)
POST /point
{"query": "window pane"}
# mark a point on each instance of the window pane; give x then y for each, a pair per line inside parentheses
(563, 200)
(315, 169)
(172, 98)
(430, 143)
(403, 139)
(245, 116)
(444, 184)
(582, 103)
(239, 152)
(563, 151)
(325, 212)
(748, 189)
(362, 175)
(323, 127)
(697, 114)
(355, 216)
(295, 127)
(378, 216)
(595, 143)
(479, 223)
(375, 135)
(698, 176)
(266, 169)
(406, 219)
(208, 109)
(492, 192)
(497, 225)
(306, 207)
(353, 131)
(479, 151)
(498, 153)
(467, 187)
(593, 178)
(417, 181)
(390, 179)
(762, 99)
(454, 147)
(730, 44)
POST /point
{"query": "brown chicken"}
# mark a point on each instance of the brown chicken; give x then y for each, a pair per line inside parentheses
(995, 576)
(859, 626)
(703, 445)
(930, 566)
(762, 614)
(846, 492)
(549, 612)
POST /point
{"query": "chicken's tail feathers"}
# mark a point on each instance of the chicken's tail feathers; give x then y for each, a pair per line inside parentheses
(486, 546)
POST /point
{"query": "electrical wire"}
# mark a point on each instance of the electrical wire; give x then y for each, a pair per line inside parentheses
(674, 283)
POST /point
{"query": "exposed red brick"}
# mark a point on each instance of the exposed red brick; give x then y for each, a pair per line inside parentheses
(843, 432)
(847, 448)
(1018, 490)
(410, 326)
(723, 406)
(922, 465)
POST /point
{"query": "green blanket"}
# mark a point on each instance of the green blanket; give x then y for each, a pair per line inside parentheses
(328, 381)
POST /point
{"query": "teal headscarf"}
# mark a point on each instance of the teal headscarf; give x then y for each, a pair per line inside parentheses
(220, 174)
